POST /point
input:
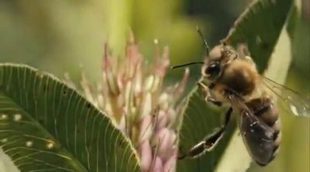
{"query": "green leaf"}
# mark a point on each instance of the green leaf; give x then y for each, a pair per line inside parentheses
(47, 126)
(299, 29)
(199, 121)
(259, 27)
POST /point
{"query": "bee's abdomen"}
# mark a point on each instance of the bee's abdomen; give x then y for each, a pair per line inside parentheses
(264, 109)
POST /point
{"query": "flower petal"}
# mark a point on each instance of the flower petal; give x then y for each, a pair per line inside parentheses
(146, 155)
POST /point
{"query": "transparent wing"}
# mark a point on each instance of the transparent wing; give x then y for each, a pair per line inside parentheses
(297, 104)
(257, 135)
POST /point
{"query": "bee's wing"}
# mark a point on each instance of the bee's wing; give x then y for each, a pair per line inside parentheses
(257, 136)
(297, 104)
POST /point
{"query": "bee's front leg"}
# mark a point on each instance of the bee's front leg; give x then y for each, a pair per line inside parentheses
(208, 96)
(207, 144)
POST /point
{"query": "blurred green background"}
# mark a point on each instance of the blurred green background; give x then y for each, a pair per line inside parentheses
(68, 36)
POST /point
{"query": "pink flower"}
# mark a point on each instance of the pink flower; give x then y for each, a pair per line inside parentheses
(133, 95)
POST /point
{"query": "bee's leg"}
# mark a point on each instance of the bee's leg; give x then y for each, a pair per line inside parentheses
(208, 96)
(209, 142)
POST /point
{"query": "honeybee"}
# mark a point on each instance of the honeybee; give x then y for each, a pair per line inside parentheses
(230, 77)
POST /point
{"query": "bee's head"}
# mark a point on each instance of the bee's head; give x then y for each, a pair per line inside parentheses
(216, 61)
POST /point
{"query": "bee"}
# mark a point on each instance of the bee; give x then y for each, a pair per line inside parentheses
(230, 77)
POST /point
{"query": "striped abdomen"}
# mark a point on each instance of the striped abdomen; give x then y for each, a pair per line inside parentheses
(261, 133)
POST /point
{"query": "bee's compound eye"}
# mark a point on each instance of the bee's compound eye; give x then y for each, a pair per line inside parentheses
(213, 70)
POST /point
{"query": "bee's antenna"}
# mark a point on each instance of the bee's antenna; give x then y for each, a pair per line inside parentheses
(203, 39)
(186, 64)
(206, 46)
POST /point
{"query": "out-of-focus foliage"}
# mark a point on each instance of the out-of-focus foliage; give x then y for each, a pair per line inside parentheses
(58, 36)
(268, 18)
(61, 35)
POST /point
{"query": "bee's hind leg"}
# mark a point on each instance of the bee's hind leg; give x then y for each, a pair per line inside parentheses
(209, 142)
